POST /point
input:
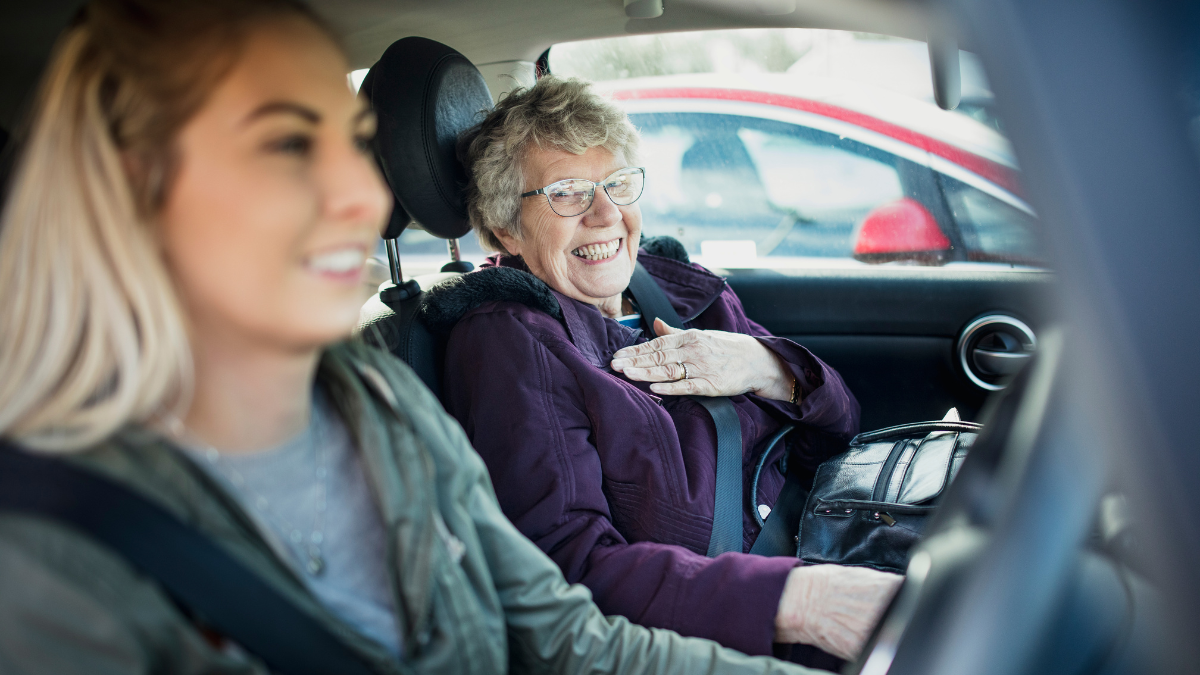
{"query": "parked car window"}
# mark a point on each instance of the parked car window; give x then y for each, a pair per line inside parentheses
(768, 187)
(993, 231)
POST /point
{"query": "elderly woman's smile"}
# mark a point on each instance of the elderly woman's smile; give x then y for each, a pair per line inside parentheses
(589, 256)
(598, 253)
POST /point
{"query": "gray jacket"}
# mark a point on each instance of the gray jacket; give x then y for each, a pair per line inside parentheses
(472, 594)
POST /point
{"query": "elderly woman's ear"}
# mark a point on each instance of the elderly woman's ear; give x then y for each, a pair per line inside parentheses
(511, 243)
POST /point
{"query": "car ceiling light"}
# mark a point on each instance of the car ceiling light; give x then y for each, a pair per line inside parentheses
(643, 9)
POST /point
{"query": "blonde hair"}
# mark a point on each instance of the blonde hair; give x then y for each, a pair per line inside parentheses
(564, 114)
(92, 334)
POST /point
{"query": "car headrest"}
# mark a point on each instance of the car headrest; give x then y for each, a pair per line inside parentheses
(425, 94)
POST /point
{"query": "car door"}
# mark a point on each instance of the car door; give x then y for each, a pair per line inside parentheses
(898, 336)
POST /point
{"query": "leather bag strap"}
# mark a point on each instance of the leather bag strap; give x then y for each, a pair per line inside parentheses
(194, 570)
(727, 512)
(914, 429)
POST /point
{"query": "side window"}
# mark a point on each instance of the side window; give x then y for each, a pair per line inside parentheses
(993, 230)
(735, 188)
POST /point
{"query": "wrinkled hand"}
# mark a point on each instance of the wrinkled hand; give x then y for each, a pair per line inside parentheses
(718, 364)
(833, 607)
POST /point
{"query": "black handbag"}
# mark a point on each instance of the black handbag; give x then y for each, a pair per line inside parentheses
(868, 505)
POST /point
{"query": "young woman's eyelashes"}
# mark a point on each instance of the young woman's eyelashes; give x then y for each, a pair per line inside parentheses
(302, 145)
(299, 145)
(364, 136)
(364, 142)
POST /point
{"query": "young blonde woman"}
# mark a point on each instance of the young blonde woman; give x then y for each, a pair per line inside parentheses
(181, 262)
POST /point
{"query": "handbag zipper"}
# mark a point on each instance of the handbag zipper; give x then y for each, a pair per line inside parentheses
(878, 510)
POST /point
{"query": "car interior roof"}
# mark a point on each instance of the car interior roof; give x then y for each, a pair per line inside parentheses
(485, 31)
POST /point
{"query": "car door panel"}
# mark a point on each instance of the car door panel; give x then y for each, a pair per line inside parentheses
(892, 332)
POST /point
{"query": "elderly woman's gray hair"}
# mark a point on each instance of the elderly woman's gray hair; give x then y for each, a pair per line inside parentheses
(554, 113)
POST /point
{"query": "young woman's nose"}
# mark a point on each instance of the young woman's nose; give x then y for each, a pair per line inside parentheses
(355, 193)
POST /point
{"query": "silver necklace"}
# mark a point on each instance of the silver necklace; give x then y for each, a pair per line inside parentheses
(314, 559)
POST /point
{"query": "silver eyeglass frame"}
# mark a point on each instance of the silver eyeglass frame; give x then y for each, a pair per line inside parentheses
(592, 196)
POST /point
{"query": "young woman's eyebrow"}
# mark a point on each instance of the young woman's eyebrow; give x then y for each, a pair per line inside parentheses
(284, 108)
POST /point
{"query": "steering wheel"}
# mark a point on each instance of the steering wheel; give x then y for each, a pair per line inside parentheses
(985, 589)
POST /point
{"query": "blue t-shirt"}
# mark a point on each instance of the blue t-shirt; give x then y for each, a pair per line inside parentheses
(310, 496)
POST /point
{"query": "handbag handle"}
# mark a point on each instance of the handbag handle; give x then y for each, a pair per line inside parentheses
(914, 429)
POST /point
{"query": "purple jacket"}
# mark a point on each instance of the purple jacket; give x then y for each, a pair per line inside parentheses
(612, 482)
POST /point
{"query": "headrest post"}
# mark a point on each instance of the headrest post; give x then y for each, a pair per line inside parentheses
(456, 264)
(393, 254)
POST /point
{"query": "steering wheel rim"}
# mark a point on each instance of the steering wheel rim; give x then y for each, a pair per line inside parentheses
(939, 622)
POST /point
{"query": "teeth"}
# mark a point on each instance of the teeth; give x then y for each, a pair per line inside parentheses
(340, 261)
(598, 251)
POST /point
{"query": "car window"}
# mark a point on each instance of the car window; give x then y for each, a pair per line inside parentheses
(993, 230)
(794, 147)
(735, 187)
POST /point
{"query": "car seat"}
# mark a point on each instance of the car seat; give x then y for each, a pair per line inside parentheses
(424, 94)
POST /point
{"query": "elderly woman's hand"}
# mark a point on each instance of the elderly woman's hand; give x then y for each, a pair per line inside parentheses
(717, 364)
(833, 607)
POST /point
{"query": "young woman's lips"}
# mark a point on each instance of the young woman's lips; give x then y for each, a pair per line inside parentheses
(599, 253)
(339, 264)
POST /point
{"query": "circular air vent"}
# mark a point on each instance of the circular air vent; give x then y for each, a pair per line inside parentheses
(993, 348)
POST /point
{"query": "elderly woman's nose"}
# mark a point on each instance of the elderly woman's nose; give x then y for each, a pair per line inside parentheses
(603, 211)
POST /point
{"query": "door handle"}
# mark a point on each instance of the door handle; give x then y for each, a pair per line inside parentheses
(994, 347)
(1000, 363)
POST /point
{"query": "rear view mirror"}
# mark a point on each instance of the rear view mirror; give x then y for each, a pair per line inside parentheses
(944, 66)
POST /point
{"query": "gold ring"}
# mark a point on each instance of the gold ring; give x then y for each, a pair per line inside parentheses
(685, 372)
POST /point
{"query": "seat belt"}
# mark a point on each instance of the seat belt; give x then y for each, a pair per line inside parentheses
(195, 571)
(727, 508)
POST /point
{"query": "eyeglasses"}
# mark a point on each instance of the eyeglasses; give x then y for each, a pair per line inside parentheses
(573, 196)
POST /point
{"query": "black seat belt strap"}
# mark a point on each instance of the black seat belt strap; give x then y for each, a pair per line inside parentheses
(727, 512)
(194, 570)
(727, 507)
(652, 301)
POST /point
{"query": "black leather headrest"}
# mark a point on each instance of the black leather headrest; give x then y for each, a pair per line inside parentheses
(425, 94)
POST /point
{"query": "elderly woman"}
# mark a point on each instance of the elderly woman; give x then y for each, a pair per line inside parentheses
(595, 448)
